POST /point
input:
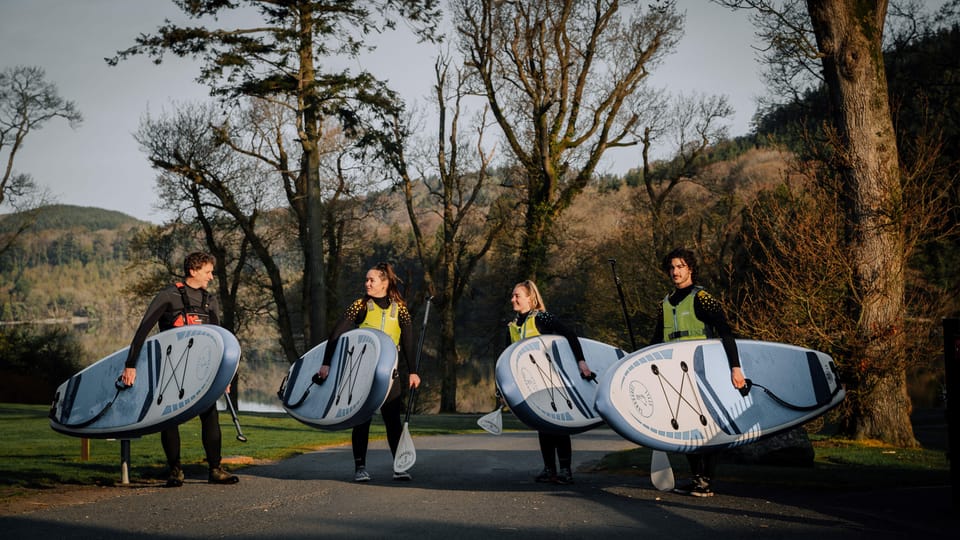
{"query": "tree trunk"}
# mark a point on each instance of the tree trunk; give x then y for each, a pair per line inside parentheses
(849, 36)
(315, 292)
(449, 359)
(533, 249)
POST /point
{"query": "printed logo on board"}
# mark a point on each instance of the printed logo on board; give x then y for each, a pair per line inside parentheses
(641, 399)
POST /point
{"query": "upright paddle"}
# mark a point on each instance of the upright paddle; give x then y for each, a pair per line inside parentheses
(661, 473)
(406, 452)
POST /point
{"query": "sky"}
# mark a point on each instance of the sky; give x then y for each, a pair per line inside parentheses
(99, 164)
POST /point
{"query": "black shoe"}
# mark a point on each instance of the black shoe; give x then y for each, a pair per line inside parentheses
(402, 476)
(220, 476)
(564, 477)
(698, 486)
(548, 475)
(702, 491)
(176, 477)
(685, 487)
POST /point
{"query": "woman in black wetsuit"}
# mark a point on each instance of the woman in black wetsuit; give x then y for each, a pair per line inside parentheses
(382, 308)
(533, 320)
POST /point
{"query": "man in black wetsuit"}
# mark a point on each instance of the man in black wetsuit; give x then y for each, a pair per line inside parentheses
(689, 312)
(176, 305)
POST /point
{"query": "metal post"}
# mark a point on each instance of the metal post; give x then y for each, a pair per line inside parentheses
(951, 363)
(124, 461)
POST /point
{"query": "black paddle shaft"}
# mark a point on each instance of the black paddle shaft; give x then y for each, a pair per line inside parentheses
(423, 331)
(623, 303)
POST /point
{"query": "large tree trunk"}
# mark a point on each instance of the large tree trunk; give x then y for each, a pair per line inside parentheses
(849, 36)
(315, 292)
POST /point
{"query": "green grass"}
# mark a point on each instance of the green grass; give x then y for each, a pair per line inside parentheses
(34, 457)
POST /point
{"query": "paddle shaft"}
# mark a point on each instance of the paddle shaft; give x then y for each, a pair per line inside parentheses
(661, 473)
(236, 420)
(623, 303)
(423, 331)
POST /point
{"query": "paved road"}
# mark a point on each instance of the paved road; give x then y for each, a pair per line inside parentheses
(477, 486)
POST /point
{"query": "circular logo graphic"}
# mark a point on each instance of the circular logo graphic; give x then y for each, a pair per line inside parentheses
(641, 399)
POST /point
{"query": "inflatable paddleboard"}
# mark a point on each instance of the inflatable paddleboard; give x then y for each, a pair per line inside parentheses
(181, 372)
(677, 397)
(539, 379)
(363, 368)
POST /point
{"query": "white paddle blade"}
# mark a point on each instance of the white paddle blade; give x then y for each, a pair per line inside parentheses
(406, 452)
(661, 473)
(492, 422)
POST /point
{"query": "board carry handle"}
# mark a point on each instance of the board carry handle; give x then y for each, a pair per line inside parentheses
(120, 388)
(787, 404)
(313, 381)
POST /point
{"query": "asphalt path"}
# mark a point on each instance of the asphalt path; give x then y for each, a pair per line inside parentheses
(478, 486)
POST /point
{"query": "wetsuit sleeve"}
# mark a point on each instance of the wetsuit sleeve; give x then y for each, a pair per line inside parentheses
(161, 304)
(548, 324)
(407, 339)
(708, 309)
(352, 318)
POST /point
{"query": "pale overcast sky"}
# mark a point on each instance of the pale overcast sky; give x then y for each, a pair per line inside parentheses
(100, 165)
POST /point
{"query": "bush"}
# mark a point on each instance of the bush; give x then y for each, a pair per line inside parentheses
(33, 362)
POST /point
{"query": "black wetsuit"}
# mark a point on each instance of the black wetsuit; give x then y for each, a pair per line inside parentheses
(708, 310)
(392, 409)
(164, 311)
(555, 448)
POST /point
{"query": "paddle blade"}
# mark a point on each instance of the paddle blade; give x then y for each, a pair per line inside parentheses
(406, 452)
(661, 473)
(492, 422)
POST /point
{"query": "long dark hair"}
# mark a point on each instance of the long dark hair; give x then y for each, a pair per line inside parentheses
(393, 281)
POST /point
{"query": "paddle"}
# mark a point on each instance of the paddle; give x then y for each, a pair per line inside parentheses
(661, 473)
(236, 421)
(406, 452)
(492, 422)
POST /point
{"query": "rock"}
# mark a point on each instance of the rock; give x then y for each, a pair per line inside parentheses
(792, 449)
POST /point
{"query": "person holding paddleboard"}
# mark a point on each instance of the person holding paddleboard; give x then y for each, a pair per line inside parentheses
(178, 305)
(382, 308)
(690, 312)
(532, 319)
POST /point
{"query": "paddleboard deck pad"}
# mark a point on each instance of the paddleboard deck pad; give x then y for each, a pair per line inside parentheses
(363, 369)
(181, 372)
(539, 379)
(678, 396)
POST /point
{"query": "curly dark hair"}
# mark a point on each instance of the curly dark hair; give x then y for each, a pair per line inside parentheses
(684, 254)
(196, 260)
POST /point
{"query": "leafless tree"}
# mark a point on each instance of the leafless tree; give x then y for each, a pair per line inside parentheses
(565, 82)
(27, 102)
(456, 179)
(690, 126)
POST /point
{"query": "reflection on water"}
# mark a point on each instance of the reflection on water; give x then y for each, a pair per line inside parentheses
(253, 406)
